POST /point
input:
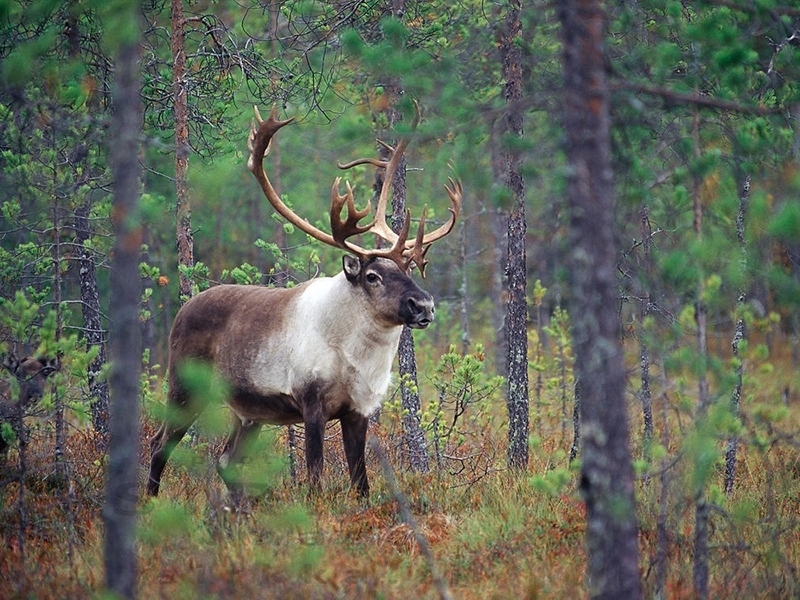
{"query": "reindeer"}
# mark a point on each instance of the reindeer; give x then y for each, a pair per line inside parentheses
(310, 354)
(31, 374)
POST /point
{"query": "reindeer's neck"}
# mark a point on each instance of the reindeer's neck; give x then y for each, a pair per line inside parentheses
(329, 342)
(357, 350)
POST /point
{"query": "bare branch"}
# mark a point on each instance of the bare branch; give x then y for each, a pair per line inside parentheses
(673, 97)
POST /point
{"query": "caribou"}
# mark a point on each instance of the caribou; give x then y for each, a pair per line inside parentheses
(30, 373)
(309, 354)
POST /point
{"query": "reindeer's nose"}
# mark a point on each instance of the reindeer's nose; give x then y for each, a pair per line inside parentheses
(420, 311)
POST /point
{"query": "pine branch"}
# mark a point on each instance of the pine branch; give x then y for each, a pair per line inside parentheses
(672, 97)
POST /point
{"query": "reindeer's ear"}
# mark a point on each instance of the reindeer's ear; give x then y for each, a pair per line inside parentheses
(352, 267)
(11, 363)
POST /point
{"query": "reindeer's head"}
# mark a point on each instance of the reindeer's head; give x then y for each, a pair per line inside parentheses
(31, 374)
(388, 293)
(403, 252)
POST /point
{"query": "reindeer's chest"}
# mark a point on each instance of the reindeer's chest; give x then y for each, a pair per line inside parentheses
(339, 378)
(321, 357)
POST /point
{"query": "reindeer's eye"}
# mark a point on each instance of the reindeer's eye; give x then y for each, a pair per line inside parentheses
(373, 278)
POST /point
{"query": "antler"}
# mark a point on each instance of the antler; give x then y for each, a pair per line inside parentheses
(404, 252)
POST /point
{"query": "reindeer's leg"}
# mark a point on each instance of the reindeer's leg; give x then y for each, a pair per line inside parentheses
(354, 435)
(181, 413)
(235, 450)
(315, 433)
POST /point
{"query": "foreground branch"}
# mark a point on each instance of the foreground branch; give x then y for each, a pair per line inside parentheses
(405, 513)
(673, 97)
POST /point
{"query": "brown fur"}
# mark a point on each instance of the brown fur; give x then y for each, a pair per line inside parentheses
(310, 354)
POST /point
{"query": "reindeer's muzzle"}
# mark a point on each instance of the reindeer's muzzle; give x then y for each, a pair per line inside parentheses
(417, 311)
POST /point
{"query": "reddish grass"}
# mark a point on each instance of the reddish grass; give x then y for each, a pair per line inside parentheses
(492, 536)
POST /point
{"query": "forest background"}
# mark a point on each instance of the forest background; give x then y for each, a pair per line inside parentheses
(704, 107)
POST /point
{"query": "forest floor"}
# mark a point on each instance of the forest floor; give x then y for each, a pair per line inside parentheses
(491, 534)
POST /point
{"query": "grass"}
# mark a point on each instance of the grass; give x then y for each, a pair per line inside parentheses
(492, 535)
(492, 538)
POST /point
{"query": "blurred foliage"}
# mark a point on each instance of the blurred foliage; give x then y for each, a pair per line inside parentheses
(703, 96)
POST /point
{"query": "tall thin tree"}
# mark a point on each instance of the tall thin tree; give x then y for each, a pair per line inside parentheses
(180, 107)
(739, 336)
(122, 479)
(606, 467)
(416, 449)
(517, 321)
(94, 334)
(645, 392)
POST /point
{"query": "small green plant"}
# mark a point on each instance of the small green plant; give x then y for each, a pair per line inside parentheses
(244, 274)
(465, 395)
(563, 379)
(198, 274)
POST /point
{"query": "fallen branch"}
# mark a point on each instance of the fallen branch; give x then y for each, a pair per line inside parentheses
(405, 513)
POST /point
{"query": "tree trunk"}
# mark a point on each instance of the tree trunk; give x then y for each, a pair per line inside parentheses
(58, 400)
(280, 278)
(576, 425)
(702, 509)
(412, 408)
(606, 468)
(62, 470)
(183, 206)
(645, 392)
(466, 305)
(94, 333)
(121, 487)
(17, 412)
(517, 323)
(740, 335)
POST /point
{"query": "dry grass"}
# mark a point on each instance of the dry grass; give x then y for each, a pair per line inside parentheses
(492, 536)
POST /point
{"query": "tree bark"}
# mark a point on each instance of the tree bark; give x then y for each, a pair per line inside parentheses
(645, 392)
(606, 468)
(517, 323)
(121, 486)
(280, 278)
(93, 331)
(58, 399)
(94, 334)
(180, 98)
(412, 407)
(466, 304)
(576, 425)
(740, 335)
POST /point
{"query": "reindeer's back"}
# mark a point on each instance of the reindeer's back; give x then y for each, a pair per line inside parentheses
(223, 317)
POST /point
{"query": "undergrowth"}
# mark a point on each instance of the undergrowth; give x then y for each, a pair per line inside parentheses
(492, 535)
